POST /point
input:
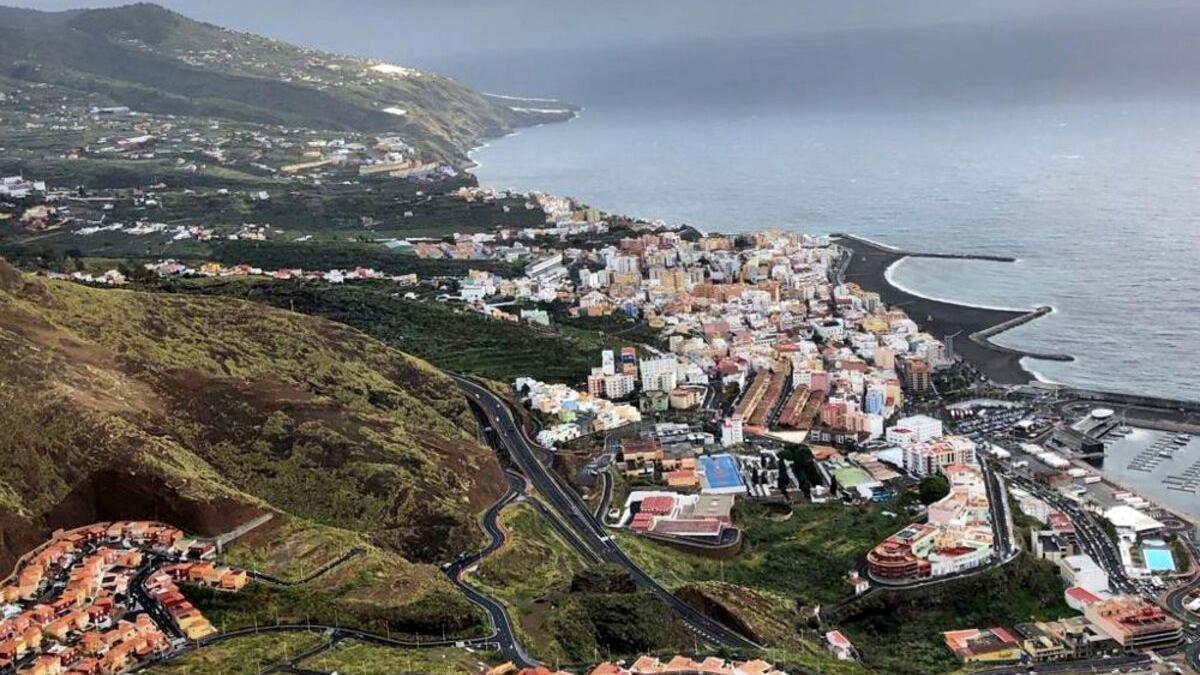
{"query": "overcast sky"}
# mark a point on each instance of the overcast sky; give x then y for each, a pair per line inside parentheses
(866, 53)
(429, 33)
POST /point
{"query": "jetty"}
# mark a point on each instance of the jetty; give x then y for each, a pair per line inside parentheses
(983, 337)
(923, 254)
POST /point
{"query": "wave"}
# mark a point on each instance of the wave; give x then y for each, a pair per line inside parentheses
(1034, 372)
(890, 276)
(521, 98)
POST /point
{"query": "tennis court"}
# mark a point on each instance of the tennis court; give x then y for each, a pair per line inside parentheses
(720, 474)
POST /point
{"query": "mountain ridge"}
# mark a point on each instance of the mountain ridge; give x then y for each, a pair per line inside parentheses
(156, 60)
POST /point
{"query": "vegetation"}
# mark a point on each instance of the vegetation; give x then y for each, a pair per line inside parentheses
(450, 337)
(533, 565)
(205, 412)
(436, 612)
(605, 615)
(358, 658)
(338, 578)
(805, 557)
(933, 488)
(241, 656)
(900, 632)
(132, 56)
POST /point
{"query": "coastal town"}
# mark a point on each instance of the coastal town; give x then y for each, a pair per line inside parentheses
(763, 347)
(506, 432)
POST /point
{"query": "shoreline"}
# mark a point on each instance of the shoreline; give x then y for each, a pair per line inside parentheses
(967, 329)
(889, 276)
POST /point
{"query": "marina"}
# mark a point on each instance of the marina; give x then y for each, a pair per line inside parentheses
(1164, 448)
(1161, 465)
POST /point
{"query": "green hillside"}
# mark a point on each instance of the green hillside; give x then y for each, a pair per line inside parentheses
(157, 61)
(206, 411)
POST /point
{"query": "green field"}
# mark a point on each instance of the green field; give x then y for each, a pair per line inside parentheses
(446, 335)
(356, 658)
(241, 656)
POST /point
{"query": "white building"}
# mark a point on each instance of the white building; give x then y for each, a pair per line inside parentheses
(931, 457)
(915, 429)
(731, 431)
(658, 374)
(608, 362)
(618, 385)
(548, 269)
(1082, 571)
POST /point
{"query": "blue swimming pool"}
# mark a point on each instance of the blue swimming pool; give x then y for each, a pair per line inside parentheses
(1159, 559)
(720, 474)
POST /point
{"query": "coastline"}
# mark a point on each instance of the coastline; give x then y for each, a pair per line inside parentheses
(967, 328)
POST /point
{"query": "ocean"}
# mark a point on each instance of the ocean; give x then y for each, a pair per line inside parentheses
(1066, 134)
(1100, 203)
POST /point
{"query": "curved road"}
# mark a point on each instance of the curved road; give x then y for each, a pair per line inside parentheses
(575, 514)
(503, 635)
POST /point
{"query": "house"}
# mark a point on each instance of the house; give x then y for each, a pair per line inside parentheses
(840, 646)
(988, 645)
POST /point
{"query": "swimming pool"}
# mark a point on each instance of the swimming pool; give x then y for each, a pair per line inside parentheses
(720, 474)
(1158, 559)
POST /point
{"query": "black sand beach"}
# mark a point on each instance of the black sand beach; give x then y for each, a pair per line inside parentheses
(868, 267)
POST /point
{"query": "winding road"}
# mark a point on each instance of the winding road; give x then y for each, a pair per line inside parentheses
(502, 637)
(587, 530)
(503, 634)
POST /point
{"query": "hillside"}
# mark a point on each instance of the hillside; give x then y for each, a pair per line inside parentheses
(157, 61)
(206, 411)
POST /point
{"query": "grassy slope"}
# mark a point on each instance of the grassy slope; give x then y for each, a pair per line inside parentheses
(354, 658)
(451, 338)
(243, 656)
(534, 563)
(223, 408)
(376, 590)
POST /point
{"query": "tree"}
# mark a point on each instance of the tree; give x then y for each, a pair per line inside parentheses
(933, 488)
(784, 479)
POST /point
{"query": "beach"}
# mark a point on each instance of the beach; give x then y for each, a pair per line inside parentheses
(950, 322)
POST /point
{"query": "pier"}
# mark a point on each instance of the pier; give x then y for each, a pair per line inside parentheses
(924, 254)
(983, 337)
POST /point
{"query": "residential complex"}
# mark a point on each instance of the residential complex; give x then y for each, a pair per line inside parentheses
(103, 598)
(957, 535)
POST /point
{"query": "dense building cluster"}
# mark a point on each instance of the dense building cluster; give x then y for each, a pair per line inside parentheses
(102, 598)
(956, 536)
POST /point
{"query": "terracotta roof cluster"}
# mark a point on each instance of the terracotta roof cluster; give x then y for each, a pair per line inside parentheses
(69, 622)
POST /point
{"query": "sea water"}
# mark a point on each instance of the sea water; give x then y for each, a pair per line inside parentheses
(1100, 203)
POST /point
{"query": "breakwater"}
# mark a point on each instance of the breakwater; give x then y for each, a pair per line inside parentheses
(867, 265)
(983, 337)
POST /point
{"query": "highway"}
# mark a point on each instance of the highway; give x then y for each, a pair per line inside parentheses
(1093, 540)
(568, 507)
